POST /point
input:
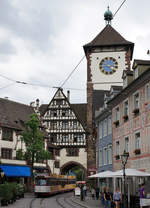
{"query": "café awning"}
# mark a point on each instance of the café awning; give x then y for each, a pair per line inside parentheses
(16, 170)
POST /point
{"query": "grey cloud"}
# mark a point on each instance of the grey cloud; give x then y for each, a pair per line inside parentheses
(34, 26)
(7, 48)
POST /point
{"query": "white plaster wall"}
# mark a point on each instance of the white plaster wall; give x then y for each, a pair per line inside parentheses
(82, 158)
(98, 76)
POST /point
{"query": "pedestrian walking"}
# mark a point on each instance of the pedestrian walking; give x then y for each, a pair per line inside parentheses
(117, 198)
(107, 199)
(81, 193)
(97, 192)
(93, 193)
(85, 190)
(142, 195)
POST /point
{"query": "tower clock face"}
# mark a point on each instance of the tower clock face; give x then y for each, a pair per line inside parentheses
(108, 65)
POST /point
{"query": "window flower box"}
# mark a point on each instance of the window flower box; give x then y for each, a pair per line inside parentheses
(136, 111)
(116, 123)
(125, 117)
(117, 157)
(137, 151)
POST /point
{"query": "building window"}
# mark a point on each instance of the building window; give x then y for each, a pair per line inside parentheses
(53, 113)
(52, 138)
(73, 152)
(80, 138)
(58, 102)
(105, 155)
(75, 124)
(100, 130)
(100, 159)
(57, 164)
(117, 114)
(127, 144)
(109, 126)
(54, 125)
(57, 152)
(147, 92)
(109, 151)
(126, 108)
(105, 127)
(7, 134)
(65, 138)
(6, 153)
(63, 113)
(137, 140)
(117, 149)
(65, 125)
(136, 101)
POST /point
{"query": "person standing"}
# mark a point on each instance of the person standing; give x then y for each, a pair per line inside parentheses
(107, 199)
(97, 192)
(142, 195)
(117, 198)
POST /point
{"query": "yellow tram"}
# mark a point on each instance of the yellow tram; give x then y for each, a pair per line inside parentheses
(53, 184)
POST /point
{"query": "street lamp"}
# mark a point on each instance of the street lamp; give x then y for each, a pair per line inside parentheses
(124, 158)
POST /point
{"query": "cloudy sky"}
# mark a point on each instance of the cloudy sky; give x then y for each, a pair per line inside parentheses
(41, 43)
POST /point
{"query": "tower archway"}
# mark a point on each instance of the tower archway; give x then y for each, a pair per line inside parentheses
(74, 168)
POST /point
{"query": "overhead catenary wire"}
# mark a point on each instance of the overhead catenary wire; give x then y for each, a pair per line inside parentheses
(72, 71)
(68, 77)
(119, 8)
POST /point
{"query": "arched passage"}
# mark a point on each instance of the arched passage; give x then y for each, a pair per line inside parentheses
(74, 168)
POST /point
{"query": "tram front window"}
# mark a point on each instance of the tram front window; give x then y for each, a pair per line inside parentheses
(41, 182)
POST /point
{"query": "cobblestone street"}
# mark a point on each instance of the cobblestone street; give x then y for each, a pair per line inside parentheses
(67, 200)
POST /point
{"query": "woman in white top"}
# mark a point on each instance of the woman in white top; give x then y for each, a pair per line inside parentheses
(117, 198)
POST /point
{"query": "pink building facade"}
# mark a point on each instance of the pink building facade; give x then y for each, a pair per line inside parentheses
(131, 118)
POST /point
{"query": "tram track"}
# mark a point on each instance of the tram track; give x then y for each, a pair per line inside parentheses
(66, 202)
(31, 205)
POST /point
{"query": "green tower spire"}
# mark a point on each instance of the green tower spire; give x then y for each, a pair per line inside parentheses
(108, 16)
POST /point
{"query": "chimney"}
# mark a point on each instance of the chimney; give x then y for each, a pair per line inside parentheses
(32, 104)
(68, 95)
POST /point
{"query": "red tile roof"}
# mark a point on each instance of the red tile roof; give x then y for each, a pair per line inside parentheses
(107, 37)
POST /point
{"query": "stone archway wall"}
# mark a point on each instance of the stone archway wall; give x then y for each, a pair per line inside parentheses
(71, 164)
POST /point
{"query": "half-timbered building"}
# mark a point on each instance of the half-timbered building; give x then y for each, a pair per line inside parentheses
(66, 127)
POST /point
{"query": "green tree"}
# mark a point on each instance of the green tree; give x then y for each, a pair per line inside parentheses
(34, 141)
(79, 172)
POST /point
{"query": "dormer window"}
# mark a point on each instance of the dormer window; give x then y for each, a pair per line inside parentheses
(7, 134)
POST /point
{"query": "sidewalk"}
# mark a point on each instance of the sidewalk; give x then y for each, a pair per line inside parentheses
(88, 202)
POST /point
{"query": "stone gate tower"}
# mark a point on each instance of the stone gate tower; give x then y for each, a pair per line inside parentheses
(108, 54)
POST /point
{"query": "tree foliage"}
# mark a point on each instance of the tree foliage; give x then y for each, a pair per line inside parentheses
(34, 141)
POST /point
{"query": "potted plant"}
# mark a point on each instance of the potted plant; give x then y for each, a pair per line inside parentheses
(6, 194)
(136, 111)
(137, 151)
(117, 157)
(116, 123)
(125, 117)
